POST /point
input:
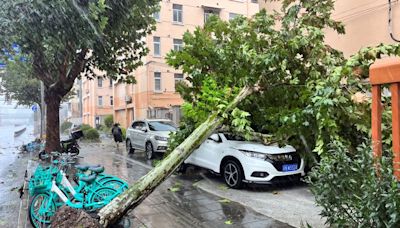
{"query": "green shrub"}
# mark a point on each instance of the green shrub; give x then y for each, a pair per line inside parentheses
(123, 133)
(351, 194)
(105, 129)
(91, 134)
(108, 121)
(65, 125)
(85, 127)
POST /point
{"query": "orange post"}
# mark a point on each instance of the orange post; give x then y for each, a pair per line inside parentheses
(395, 91)
(386, 71)
(376, 118)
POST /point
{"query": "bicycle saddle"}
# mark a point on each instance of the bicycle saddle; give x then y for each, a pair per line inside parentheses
(97, 169)
(82, 167)
(88, 179)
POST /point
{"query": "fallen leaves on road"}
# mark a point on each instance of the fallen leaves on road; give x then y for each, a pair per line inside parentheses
(228, 222)
(195, 184)
(275, 192)
(224, 200)
(13, 189)
(223, 187)
(176, 187)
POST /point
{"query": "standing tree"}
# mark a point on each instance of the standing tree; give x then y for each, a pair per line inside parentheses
(19, 84)
(65, 40)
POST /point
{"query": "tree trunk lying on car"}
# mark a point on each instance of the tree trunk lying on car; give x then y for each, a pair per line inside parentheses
(145, 185)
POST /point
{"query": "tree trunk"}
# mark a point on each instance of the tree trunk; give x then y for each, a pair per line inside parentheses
(145, 185)
(53, 100)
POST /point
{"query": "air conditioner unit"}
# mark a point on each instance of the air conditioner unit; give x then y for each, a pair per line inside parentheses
(128, 99)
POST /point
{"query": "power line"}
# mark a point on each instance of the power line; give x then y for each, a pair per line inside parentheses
(363, 12)
(390, 23)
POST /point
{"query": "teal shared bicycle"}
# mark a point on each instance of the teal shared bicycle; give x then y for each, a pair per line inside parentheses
(51, 189)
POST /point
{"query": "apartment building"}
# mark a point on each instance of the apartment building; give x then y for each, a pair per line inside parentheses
(97, 99)
(366, 23)
(154, 95)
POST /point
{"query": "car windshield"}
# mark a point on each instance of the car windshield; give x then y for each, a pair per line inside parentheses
(233, 137)
(162, 126)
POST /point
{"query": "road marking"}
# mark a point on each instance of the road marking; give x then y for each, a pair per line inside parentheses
(119, 156)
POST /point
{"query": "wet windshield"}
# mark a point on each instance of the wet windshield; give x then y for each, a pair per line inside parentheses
(232, 137)
(161, 126)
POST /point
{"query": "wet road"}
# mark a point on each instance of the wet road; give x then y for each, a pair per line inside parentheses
(12, 170)
(189, 206)
(185, 206)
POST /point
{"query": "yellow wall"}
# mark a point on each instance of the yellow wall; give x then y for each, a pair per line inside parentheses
(366, 23)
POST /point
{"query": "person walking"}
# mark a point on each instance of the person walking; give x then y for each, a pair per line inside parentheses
(117, 133)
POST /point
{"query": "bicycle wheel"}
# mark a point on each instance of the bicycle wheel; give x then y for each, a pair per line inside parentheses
(102, 196)
(41, 210)
(115, 184)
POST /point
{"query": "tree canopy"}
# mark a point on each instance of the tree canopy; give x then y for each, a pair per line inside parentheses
(19, 84)
(64, 40)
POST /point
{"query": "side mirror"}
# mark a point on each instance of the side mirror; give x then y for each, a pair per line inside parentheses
(144, 129)
(215, 138)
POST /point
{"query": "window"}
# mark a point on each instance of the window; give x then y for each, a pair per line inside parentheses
(99, 82)
(254, 1)
(156, 16)
(161, 126)
(178, 78)
(157, 46)
(138, 125)
(157, 81)
(111, 82)
(208, 13)
(177, 13)
(111, 100)
(233, 16)
(178, 44)
(100, 101)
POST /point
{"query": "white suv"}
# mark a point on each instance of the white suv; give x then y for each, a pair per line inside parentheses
(149, 135)
(240, 161)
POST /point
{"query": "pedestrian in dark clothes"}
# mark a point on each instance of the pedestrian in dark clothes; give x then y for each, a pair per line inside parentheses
(117, 133)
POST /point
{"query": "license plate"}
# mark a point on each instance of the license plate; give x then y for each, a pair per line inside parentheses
(289, 167)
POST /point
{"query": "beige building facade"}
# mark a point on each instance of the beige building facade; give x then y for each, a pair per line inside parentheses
(97, 99)
(366, 23)
(154, 95)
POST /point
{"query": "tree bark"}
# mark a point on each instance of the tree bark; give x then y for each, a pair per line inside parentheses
(53, 100)
(145, 185)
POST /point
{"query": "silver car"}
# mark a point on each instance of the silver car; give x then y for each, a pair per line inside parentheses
(149, 135)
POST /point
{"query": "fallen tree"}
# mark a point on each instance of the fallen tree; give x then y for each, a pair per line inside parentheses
(145, 185)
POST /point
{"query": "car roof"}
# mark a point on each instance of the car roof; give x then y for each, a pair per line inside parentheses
(151, 120)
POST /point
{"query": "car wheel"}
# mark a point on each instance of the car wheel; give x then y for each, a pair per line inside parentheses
(182, 168)
(233, 174)
(149, 151)
(129, 148)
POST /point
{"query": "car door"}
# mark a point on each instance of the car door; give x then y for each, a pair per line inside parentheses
(133, 130)
(209, 153)
(141, 135)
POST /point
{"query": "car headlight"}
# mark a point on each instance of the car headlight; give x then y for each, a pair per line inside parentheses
(254, 154)
(160, 138)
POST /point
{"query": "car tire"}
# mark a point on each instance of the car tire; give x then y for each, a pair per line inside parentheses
(129, 147)
(232, 173)
(149, 150)
(182, 168)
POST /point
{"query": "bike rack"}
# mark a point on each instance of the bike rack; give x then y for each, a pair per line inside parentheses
(386, 71)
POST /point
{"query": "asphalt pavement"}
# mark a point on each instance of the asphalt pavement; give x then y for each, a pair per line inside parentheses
(196, 199)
